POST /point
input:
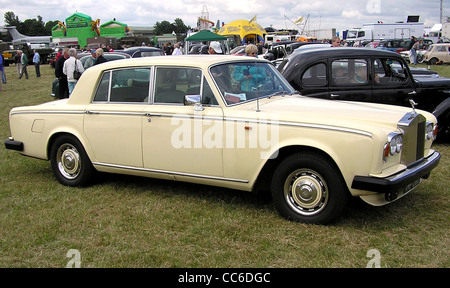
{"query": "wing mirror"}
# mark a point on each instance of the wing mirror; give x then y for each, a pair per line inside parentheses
(194, 100)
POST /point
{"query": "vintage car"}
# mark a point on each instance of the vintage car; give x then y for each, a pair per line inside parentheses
(214, 120)
(367, 75)
(437, 53)
(143, 51)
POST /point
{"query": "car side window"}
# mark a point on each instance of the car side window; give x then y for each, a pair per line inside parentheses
(102, 93)
(315, 75)
(389, 72)
(124, 86)
(173, 84)
(349, 72)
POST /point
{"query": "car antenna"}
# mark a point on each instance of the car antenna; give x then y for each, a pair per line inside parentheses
(257, 92)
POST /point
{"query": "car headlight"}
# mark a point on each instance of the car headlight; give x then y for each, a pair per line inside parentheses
(431, 131)
(393, 145)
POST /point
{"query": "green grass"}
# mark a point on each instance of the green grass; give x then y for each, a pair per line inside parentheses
(123, 221)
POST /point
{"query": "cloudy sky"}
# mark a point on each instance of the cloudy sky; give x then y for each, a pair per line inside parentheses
(280, 14)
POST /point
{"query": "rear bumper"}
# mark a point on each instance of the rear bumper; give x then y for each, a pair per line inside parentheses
(400, 183)
(13, 145)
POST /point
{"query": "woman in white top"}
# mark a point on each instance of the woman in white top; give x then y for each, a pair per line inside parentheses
(69, 68)
(177, 50)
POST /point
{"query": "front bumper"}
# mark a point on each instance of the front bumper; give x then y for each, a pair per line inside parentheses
(401, 183)
(13, 145)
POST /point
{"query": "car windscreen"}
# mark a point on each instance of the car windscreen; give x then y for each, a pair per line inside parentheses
(246, 81)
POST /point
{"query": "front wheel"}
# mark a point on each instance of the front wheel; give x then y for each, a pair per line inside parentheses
(70, 163)
(307, 187)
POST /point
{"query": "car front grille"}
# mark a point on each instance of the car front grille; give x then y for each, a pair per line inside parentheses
(413, 126)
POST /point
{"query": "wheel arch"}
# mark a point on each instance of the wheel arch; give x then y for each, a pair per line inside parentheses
(264, 180)
(58, 134)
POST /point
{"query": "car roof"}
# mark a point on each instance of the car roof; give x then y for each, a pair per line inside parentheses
(195, 60)
(141, 48)
(343, 51)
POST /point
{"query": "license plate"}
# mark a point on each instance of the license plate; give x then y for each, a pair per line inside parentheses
(411, 185)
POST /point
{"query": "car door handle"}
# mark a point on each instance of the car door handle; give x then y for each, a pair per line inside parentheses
(151, 115)
(92, 112)
(412, 93)
(334, 96)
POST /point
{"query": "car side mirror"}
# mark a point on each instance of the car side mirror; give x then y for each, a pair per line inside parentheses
(194, 100)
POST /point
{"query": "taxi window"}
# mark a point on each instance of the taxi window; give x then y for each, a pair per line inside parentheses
(349, 72)
(315, 75)
(389, 72)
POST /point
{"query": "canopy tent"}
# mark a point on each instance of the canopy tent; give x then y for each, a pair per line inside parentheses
(242, 28)
(206, 35)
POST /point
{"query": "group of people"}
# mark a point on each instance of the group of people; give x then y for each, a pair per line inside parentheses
(21, 60)
(67, 63)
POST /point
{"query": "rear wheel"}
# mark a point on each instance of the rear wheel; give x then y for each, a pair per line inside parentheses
(307, 187)
(70, 163)
(433, 61)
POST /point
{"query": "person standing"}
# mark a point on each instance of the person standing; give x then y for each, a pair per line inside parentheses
(177, 50)
(100, 58)
(70, 65)
(169, 49)
(91, 60)
(412, 51)
(3, 70)
(37, 63)
(24, 62)
(416, 47)
(18, 62)
(336, 41)
(62, 79)
(214, 48)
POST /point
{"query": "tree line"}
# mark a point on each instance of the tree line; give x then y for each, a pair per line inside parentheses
(37, 27)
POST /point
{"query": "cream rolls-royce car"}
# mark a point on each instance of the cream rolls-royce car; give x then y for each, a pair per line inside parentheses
(233, 122)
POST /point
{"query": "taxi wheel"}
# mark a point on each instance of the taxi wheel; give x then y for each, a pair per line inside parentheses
(308, 188)
(70, 163)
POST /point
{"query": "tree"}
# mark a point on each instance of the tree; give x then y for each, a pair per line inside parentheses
(165, 27)
(11, 19)
(30, 27)
(33, 27)
(179, 27)
(49, 26)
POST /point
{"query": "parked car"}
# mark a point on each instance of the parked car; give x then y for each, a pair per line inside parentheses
(392, 44)
(438, 53)
(110, 56)
(399, 45)
(143, 51)
(367, 75)
(238, 51)
(202, 119)
(420, 55)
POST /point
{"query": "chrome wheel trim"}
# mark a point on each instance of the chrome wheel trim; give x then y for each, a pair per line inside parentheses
(68, 161)
(306, 192)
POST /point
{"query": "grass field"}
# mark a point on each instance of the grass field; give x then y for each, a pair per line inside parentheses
(124, 221)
